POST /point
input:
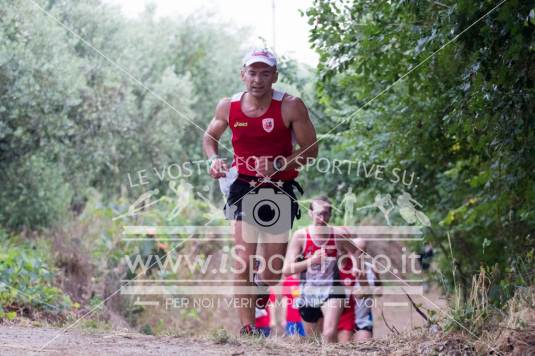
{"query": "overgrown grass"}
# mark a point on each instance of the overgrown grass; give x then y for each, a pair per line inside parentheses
(472, 313)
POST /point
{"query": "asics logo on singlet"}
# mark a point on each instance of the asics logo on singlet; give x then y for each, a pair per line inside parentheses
(240, 124)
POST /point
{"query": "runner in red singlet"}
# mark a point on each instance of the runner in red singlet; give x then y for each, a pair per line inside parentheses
(264, 122)
(315, 252)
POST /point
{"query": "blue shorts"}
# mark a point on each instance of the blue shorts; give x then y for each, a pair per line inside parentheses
(295, 327)
(265, 331)
(363, 318)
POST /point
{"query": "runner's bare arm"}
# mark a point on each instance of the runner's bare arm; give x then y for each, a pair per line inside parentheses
(295, 114)
(215, 129)
(213, 133)
(291, 266)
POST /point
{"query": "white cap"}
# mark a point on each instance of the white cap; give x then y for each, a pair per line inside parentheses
(260, 55)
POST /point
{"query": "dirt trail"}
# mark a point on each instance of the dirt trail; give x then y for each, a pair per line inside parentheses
(400, 314)
(21, 340)
(24, 340)
(16, 340)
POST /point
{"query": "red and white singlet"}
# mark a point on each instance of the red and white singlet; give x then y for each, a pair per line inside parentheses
(318, 281)
(264, 137)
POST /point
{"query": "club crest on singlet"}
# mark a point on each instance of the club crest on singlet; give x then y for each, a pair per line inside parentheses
(268, 124)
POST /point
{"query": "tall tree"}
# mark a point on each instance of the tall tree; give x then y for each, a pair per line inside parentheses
(444, 89)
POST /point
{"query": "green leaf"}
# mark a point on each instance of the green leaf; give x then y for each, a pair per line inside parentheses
(11, 315)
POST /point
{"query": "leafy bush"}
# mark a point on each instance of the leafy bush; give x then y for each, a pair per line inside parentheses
(27, 278)
(35, 194)
(94, 124)
(459, 116)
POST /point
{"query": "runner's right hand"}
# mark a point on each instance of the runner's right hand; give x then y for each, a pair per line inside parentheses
(318, 257)
(218, 168)
(360, 275)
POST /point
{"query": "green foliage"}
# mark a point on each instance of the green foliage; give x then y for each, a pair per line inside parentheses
(27, 278)
(220, 336)
(461, 118)
(147, 329)
(74, 123)
(91, 119)
(38, 195)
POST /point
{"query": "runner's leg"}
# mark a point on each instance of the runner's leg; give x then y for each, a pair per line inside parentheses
(271, 255)
(362, 335)
(313, 330)
(345, 336)
(332, 309)
(243, 253)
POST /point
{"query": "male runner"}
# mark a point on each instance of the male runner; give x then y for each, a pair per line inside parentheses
(321, 247)
(263, 122)
(356, 321)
